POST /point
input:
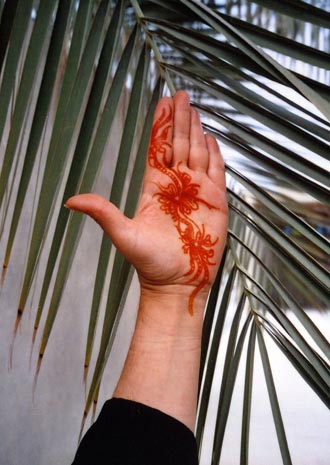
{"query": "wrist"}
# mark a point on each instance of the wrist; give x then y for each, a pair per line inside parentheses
(163, 312)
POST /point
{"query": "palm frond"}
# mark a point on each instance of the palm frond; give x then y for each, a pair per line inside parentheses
(74, 75)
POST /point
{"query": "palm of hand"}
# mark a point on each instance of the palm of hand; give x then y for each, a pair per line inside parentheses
(178, 233)
(181, 219)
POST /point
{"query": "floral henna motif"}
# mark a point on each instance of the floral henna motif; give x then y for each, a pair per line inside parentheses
(179, 199)
(199, 247)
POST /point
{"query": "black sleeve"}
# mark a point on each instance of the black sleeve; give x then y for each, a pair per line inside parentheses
(129, 433)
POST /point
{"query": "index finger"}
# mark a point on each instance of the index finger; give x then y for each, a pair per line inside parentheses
(160, 145)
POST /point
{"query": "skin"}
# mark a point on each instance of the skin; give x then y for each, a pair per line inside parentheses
(179, 199)
(162, 365)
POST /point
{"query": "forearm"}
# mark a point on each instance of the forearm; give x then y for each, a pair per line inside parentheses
(175, 242)
(162, 366)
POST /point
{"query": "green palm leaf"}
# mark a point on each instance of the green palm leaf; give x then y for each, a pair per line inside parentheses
(69, 70)
(8, 13)
(87, 183)
(299, 9)
(283, 443)
(248, 386)
(40, 115)
(8, 81)
(58, 150)
(81, 154)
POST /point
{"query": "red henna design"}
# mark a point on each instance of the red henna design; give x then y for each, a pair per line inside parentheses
(179, 199)
(199, 247)
(158, 140)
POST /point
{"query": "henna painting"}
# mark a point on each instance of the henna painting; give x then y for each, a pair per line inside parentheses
(179, 199)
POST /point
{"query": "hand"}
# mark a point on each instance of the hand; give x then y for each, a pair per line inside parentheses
(177, 236)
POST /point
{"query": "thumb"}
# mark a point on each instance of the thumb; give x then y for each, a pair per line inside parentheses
(113, 222)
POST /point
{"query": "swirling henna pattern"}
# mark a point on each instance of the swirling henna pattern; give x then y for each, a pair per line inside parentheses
(179, 199)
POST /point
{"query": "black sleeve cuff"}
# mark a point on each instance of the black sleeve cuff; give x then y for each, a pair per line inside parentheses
(130, 433)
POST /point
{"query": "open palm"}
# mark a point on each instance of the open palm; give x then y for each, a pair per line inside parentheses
(178, 232)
